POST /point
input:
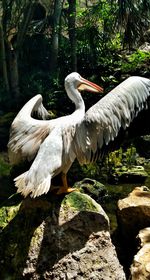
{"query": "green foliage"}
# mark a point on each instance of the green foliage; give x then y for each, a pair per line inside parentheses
(99, 43)
(135, 60)
(130, 156)
(133, 19)
(139, 56)
(91, 170)
(114, 159)
(121, 158)
(39, 82)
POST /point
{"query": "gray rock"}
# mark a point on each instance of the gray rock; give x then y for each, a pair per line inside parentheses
(134, 212)
(140, 268)
(79, 245)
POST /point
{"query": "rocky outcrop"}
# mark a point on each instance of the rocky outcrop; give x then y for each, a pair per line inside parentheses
(59, 238)
(134, 212)
(133, 174)
(140, 269)
(133, 216)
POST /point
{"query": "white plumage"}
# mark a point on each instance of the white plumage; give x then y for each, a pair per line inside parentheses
(54, 144)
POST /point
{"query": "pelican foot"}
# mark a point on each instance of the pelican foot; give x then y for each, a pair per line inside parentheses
(63, 190)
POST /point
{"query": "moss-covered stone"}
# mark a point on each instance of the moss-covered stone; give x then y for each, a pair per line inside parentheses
(8, 213)
(28, 226)
(91, 187)
(133, 174)
(80, 202)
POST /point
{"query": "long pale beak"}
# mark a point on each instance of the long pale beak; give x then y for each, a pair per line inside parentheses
(89, 86)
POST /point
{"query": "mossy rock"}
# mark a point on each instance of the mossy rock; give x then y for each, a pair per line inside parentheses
(8, 213)
(91, 187)
(80, 202)
(24, 225)
(134, 174)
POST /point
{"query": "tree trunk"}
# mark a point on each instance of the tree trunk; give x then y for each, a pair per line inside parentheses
(12, 48)
(27, 16)
(13, 52)
(55, 36)
(72, 33)
(13, 73)
(3, 58)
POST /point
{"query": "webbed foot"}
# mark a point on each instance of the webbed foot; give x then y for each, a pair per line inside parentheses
(63, 190)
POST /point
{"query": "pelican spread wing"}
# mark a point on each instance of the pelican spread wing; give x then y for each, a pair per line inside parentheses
(103, 121)
(56, 143)
(27, 133)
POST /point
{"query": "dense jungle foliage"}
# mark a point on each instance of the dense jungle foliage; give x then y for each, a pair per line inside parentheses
(42, 41)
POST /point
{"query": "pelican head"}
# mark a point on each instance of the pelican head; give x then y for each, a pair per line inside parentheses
(74, 81)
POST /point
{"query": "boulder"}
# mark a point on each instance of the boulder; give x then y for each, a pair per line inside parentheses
(133, 174)
(134, 212)
(140, 268)
(57, 238)
(91, 187)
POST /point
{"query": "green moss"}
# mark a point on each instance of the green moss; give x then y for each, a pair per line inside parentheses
(134, 171)
(7, 214)
(36, 236)
(80, 202)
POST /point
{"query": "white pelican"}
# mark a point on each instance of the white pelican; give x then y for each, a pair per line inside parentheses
(54, 144)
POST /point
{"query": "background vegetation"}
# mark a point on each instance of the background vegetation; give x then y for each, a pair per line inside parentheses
(41, 41)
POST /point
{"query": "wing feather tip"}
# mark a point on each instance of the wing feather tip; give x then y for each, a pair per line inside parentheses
(30, 188)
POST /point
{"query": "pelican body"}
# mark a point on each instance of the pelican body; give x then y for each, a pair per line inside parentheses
(54, 144)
